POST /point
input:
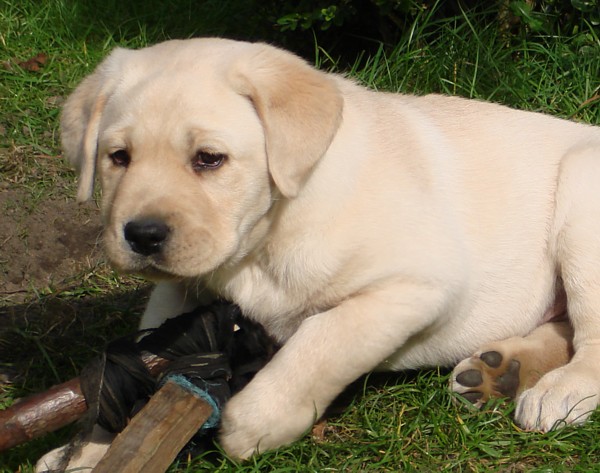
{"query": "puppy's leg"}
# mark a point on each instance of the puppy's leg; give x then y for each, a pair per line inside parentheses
(329, 350)
(508, 367)
(570, 393)
(170, 299)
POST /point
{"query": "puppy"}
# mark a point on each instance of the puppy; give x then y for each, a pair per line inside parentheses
(364, 230)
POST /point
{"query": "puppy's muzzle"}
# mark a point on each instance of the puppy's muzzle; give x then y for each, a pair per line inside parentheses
(146, 236)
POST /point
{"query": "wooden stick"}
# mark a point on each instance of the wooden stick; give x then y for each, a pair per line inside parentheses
(157, 433)
(41, 413)
(46, 412)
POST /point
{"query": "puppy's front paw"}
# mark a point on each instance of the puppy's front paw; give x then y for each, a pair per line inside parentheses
(564, 396)
(52, 461)
(262, 417)
(79, 457)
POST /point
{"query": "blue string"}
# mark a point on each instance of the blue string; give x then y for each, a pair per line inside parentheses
(185, 383)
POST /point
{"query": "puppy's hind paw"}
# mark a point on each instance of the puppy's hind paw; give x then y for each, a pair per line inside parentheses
(486, 375)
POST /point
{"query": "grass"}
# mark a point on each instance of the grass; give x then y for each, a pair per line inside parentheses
(406, 422)
(549, 74)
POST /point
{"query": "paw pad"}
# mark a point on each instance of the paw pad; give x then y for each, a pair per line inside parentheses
(491, 358)
(508, 383)
(470, 378)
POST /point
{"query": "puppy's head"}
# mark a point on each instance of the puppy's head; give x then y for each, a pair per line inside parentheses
(192, 142)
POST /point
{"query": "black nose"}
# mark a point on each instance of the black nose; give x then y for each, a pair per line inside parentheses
(146, 236)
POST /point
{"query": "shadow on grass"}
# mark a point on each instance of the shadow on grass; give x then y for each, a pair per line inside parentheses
(47, 341)
(58, 334)
(138, 22)
(174, 19)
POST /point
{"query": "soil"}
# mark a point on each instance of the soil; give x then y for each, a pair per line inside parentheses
(43, 246)
(45, 235)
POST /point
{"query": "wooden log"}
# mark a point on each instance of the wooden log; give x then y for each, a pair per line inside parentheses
(57, 407)
(41, 413)
(157, 433)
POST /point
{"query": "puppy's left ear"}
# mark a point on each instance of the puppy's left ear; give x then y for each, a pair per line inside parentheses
(300, 109)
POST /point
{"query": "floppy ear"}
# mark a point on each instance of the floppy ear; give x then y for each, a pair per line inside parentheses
(300, 109)
(80, 121)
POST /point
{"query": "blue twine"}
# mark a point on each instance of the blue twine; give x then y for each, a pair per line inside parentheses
(185, 383)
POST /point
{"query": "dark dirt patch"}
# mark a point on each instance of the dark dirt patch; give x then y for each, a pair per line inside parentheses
(44, 243)
(45, 236)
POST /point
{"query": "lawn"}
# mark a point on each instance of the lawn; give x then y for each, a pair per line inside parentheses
(59, 302)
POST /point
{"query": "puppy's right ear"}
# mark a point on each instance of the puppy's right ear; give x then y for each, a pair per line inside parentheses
(80, 120)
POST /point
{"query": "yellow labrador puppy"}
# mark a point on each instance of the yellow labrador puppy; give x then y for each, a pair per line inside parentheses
(364, 230)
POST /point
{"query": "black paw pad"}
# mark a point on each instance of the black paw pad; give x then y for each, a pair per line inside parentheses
(470, 378)
(492, 358)
(508, 383)
(473, 397)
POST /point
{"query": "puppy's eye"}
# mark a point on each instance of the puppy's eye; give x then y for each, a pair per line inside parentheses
(120, 158)
(207, 160)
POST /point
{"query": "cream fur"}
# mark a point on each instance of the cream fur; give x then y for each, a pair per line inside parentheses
(364, 230)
